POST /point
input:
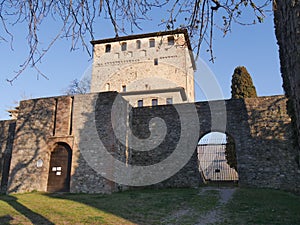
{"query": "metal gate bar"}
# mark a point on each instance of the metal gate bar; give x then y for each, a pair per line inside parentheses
(213, 164)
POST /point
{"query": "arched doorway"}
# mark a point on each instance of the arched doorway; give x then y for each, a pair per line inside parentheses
(60, 169)
(217, 158)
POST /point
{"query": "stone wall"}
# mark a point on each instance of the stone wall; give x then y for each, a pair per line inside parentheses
(267, 156)
(287, 24)
(41, 125)
(171, 143)
(260, 128)
(34, 129)
(7, 129)
(93, 130)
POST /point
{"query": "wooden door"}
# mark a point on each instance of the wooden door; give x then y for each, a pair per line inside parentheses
(60, 169)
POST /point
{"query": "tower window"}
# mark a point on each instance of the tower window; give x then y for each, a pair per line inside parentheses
(155, 61)
(140, 103)
(124, 88)
(107, 86)
(171, 40)
(124, 46)
(169, 101)
(107, 48)
(138, 44)
(154, 102)
(151, 43)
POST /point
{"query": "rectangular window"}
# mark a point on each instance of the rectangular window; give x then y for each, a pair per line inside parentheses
(107, 48)
(154, 102)
(169, 101)
(124, 46)
(155, 61)
(138, 44)
(140, 103)
(151, 43)
(171, 40)
(124, 88)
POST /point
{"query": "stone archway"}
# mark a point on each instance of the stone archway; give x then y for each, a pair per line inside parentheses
(216, 151)
(60, 168)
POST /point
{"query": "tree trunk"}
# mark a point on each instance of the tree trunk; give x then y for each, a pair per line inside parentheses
(287, 29)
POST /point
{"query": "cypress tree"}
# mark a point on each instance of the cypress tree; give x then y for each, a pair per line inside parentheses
(241, 87)
(230, 153)
(241, 84)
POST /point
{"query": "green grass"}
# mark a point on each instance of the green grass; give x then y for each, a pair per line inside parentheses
(165, 206)
(263, 206)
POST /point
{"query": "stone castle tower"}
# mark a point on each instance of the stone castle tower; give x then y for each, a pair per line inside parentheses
(147, 69)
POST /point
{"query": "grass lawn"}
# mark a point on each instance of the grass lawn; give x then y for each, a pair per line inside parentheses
(165, 206)
(263, 206)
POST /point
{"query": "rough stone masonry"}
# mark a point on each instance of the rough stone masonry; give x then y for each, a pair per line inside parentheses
(260, 128)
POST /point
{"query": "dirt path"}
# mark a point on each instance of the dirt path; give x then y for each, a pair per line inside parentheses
(215, 216)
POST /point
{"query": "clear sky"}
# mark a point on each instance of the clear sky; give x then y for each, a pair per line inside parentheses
(251, 46)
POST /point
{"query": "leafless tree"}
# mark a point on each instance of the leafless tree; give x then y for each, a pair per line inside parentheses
(78, 87)
(78, 18)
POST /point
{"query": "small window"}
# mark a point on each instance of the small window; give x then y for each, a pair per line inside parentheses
(140, 103)
(154, 102)
(124, 46)
(138, 44)
(169, 101)
(155, 61)
(107, 86)
(124, 88)
(107, 48)
(151, 43)
(143, 53)
(171, 40)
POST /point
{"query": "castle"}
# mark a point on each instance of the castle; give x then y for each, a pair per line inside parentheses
(147, 69)
(106, 140)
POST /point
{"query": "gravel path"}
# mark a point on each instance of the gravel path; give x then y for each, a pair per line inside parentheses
(215, 216)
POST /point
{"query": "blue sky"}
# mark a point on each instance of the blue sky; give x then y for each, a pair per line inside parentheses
(251, 46)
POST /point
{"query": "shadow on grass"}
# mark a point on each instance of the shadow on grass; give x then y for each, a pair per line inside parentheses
(6, 219)
(35, 218)
(150, 206)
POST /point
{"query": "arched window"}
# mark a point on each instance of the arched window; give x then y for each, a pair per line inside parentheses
(154, 102)
(140, 103)
(107, 86)
(124, 46)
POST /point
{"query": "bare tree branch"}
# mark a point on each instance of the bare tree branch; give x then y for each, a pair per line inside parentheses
(77, 19)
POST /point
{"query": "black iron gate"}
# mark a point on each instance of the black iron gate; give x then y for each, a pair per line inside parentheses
(213, 165)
